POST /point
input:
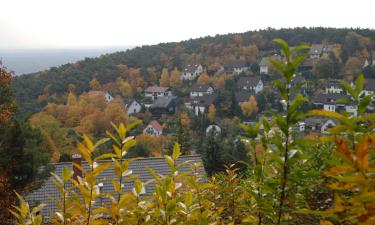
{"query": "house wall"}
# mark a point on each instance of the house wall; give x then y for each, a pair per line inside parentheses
(263, 69)
(134, 107)
(329, 107)
(333, 90)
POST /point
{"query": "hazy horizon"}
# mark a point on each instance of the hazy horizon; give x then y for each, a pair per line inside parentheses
(25, 61)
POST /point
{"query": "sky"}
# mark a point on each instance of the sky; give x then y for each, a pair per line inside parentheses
(35, 24)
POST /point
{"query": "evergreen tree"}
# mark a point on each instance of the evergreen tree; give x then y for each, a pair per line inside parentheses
(212, 154)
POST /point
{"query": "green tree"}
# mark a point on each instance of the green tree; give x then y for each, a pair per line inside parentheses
(213, 154)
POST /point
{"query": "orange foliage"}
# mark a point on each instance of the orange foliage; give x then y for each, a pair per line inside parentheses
(156, 144)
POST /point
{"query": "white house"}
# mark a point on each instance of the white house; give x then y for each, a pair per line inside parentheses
(133, 107)
(200, 104)
(213, 128)
(254, 84)
(332, 102)
(153, 128)
(190, 72)
(155, 92)
(200, 90)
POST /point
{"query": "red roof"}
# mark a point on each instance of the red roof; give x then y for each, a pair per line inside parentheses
(156, 125)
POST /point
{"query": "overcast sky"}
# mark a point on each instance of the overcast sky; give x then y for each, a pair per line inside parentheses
(103, 23)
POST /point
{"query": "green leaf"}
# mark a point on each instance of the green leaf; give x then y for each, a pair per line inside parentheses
(176, 151)
(349, 88)
(359, 84)
(284, 46)
(66, 174)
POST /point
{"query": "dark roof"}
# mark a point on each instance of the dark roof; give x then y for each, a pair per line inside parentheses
(235, 64)
(333, 83)
(369, 84)
(316, 49)
(317, 121)
(205, 100)
(200, 88)
(248, 81)
(163, 102)
(191, 68)
(242, 96)
(48, 193)
(157, 89)
(329, 98)
(265, 60)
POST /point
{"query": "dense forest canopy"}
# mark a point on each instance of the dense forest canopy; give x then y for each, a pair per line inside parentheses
(32, 90)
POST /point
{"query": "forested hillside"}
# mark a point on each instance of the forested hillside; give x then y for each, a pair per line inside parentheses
(35, 90)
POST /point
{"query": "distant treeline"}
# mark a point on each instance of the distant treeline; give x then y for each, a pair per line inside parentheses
(207, 51)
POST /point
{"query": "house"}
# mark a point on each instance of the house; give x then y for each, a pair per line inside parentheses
(334, 102)
(201, 104)
(200, 90)
(253, 84)
(190, 72)
(369, 87)
(163, 106)
(333, 87)
(264, 65)
(316, 124)
(155, 92)
(316, 51)
(48, 194)
(133, 107)
(213, 128)
(153, 128)
(236, 67)
(242, 97)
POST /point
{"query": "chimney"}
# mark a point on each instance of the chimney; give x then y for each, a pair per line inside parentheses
(77, 160)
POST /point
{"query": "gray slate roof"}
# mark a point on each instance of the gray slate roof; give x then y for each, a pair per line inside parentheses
(205, 100)
(48, 193)
(248, 81)
(369, 85)
(316, 49)
(330, 98)
(235, 64)
(265, 60)
(333, 83)
(163, 102)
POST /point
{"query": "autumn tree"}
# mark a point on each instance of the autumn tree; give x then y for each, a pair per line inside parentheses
(175, 79)
(250, 52)
(94, 84)
(203, 79)
(124, 87)
(211, 112)
(71, 99)
(54, 135)
(164, 78)
(249, 107)
(353, 66)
